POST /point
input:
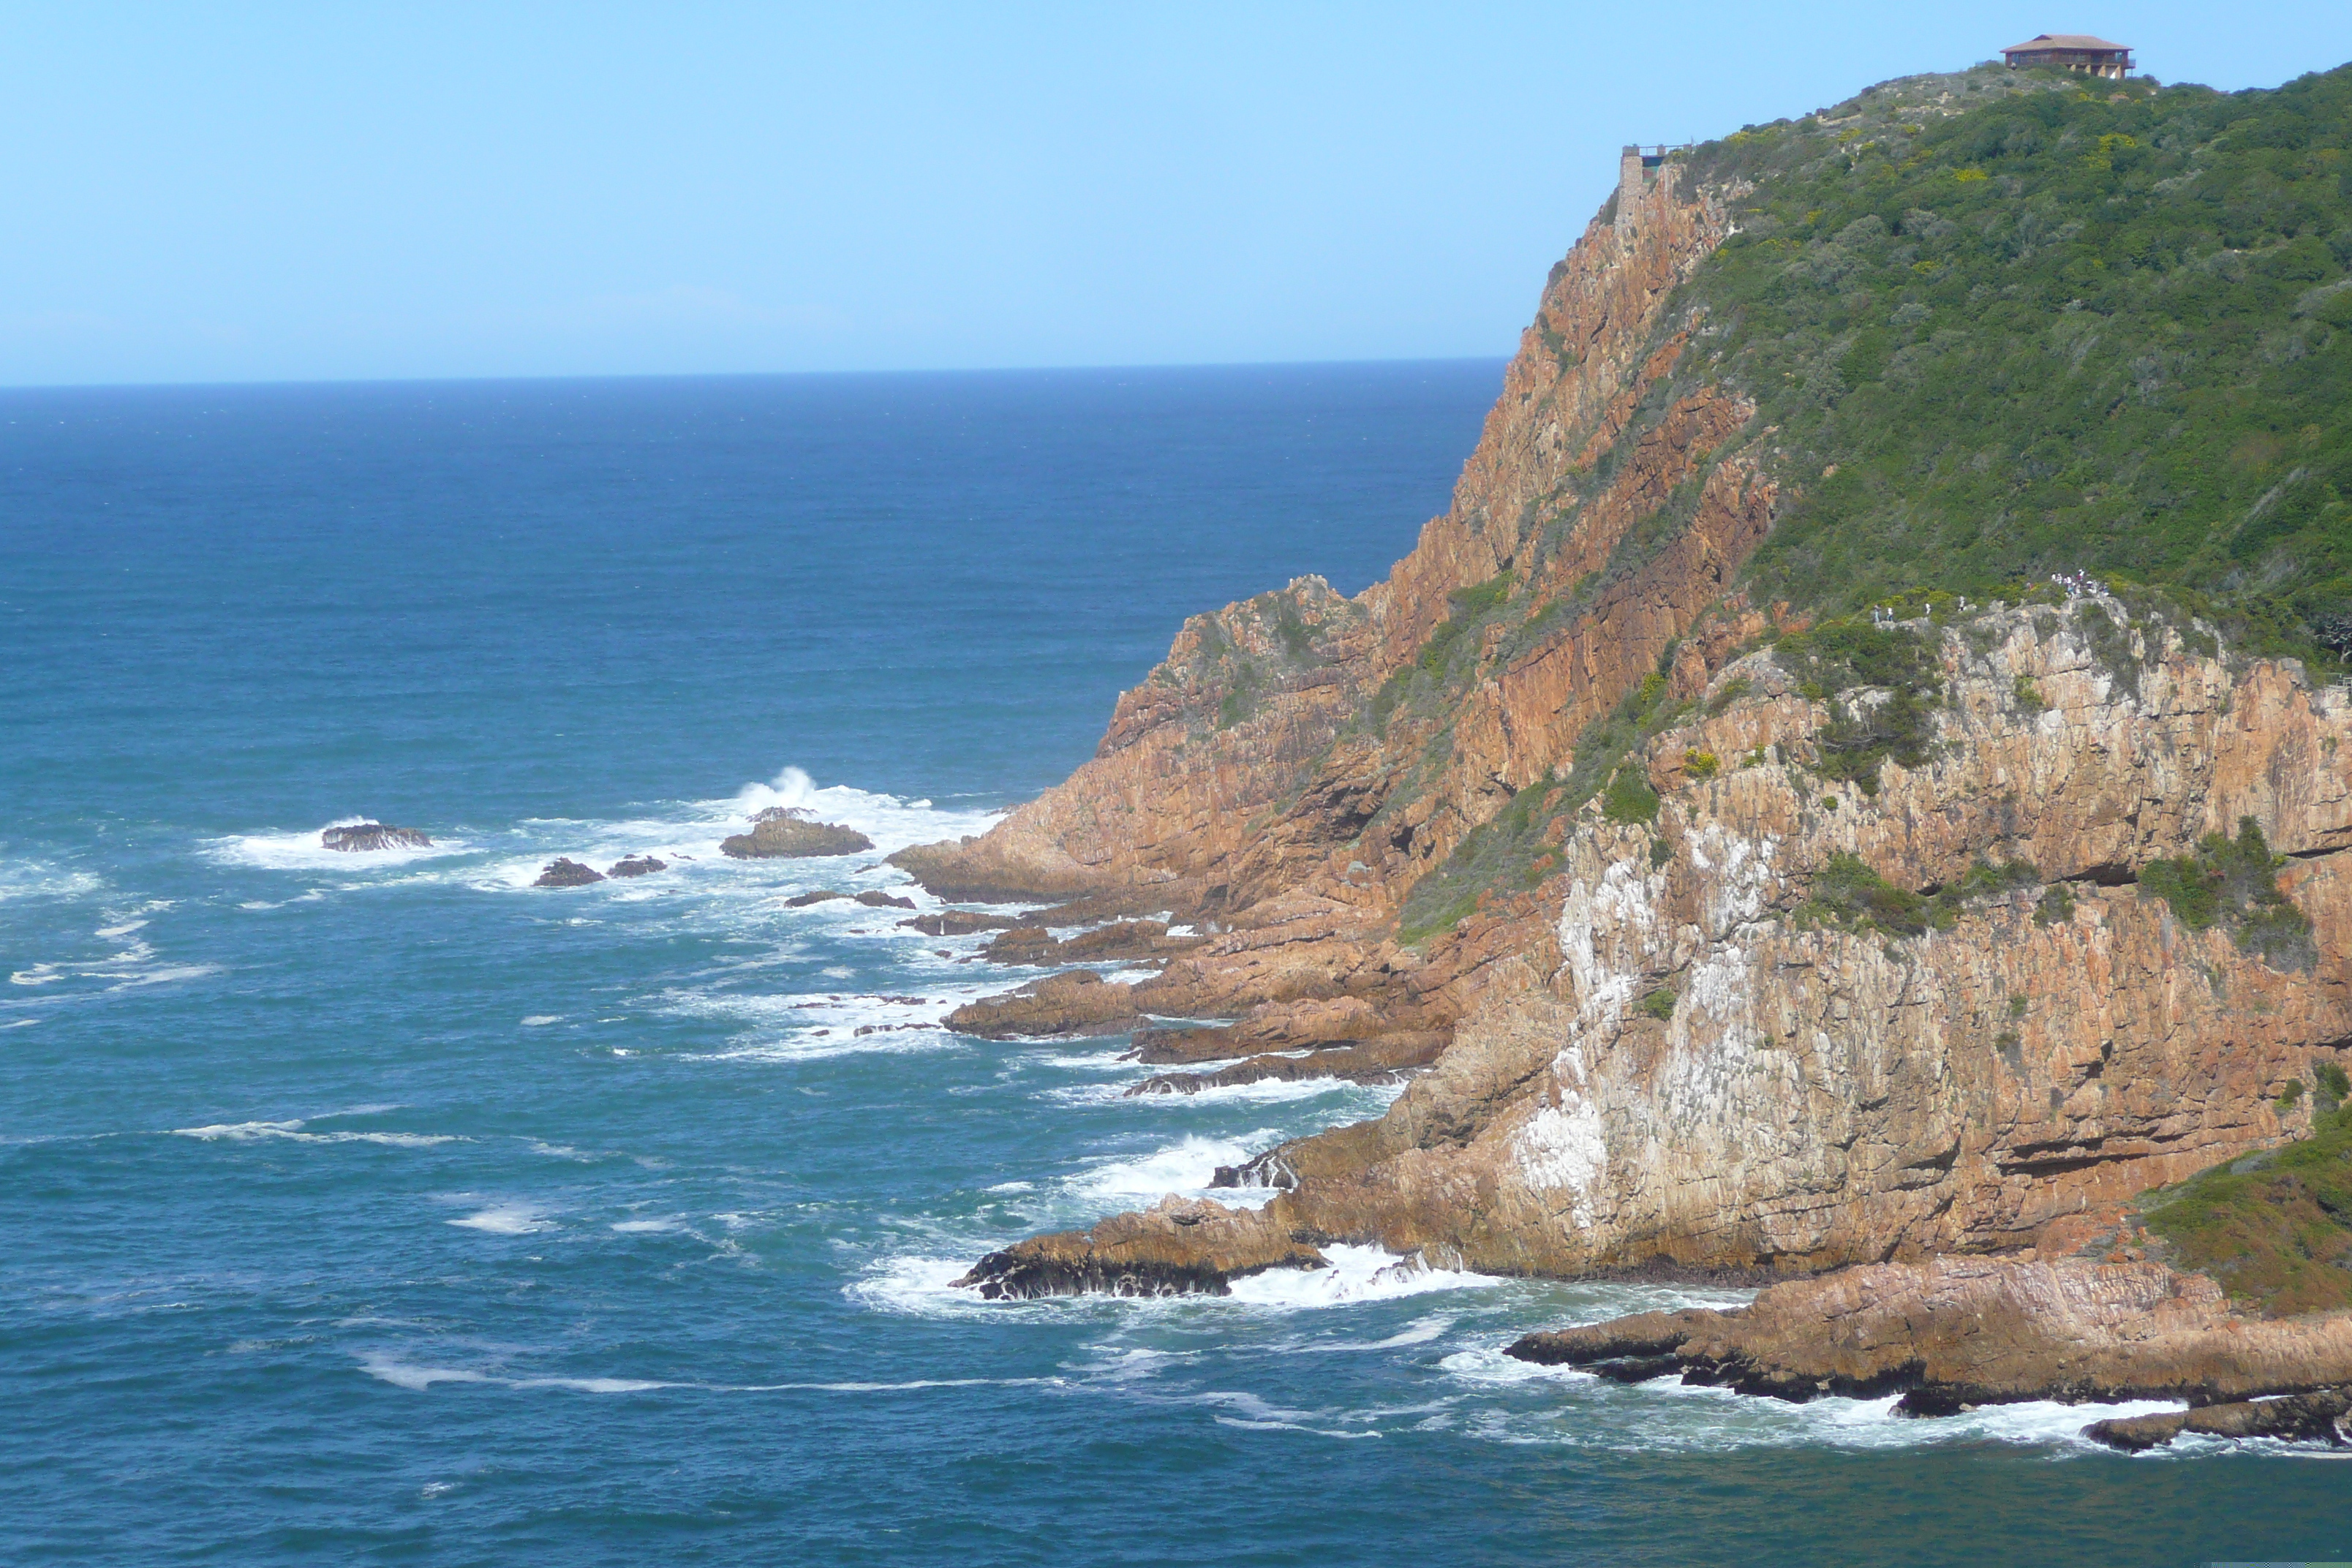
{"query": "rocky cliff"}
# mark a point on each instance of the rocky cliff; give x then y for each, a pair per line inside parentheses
(1743, 939)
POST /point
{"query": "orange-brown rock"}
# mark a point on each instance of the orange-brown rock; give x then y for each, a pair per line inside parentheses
(1818, 1097)
(1659, 1053)
(1133, 942)
(1078, 1003)
(1384, 1058)
(1183, 1247)
(1957, 1332)
(2323, 1415)
(1238, 771)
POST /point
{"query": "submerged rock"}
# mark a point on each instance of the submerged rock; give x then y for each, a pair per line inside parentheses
(362, 837)
(563, 873)
(635, 865)
(787, 833)
(878, 900)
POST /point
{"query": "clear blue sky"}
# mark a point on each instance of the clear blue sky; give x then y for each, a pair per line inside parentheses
(265, 192)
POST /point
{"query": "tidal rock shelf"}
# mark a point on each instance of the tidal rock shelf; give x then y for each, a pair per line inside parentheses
(1951, 1333)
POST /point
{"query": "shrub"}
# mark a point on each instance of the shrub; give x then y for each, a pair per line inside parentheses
(2056, 330)
(2275, 1229)
(1660, 1003)
(1839, 655)
(2234, 883)
(1702, 764)
(2290, 1095)
(2334, 1087)
(2029, 695)
(2056, 907)
(1848, 895)
(1629, 797)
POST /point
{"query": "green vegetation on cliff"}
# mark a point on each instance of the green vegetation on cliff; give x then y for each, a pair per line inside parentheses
(2275, 1228)
(2235, 882)
(2102, 329)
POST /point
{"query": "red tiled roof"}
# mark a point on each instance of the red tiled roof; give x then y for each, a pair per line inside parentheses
(2047, 41)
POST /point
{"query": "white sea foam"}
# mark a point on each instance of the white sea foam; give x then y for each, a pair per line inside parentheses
(804, 1026)
(293, 1132)
(133, 965)
(41, 879)
(302, 851)
(540, 1020)
(505, 1220)
(1183, 1167)
(419, 1378)
(1357, 1274)
(1666, 1413)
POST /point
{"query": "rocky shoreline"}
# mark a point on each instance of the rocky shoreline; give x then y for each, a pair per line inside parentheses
(1893, 960)
(1950, 1334)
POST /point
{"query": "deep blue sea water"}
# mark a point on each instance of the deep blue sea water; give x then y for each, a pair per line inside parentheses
(384, 1208)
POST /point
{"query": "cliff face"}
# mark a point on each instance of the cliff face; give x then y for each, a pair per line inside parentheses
(1781, 996)
(1815, 1095)
(1245, 768)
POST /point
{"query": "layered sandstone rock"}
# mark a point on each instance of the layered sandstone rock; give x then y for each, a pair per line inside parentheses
(1953, 1332)
(1182, 1247)
(1657, 1053)
(1078, 1003)
(2324, 1415)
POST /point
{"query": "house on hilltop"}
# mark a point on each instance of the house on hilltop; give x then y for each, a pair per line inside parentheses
(2073, 52)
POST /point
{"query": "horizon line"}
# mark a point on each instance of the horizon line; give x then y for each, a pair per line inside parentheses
(8, 388)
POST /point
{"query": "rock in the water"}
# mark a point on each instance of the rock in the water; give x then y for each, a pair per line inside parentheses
(1953, 1332)
(2324, 1415)
(635, 865)
(1127, 941)
(1078, 1003)
(360, 837)
(785, 833)
(822, 896)
(1186, 1246)
(563, 873)
(875, 900)
(955, 922)
(1384, 1059)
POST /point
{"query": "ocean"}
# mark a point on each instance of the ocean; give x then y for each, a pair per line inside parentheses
(385, 1208)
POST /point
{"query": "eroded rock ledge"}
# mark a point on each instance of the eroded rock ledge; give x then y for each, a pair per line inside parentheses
(1953, 1332)
(1183, 1247)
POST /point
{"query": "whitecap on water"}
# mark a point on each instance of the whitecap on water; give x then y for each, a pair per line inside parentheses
(1582, 1410)
(302, 851)
(504, 1219)
(1184, 1167)
(1357, 1274)
(293, 1132)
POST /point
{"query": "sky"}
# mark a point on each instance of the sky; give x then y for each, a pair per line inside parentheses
(338, 192)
